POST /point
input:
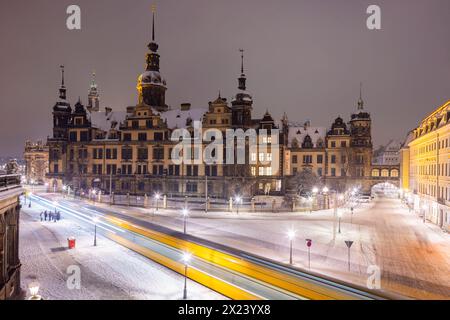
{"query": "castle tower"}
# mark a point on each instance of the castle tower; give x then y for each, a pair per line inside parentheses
(242, 102)
(361, 141)
(61, 112)
(93, 96)
(151, 85)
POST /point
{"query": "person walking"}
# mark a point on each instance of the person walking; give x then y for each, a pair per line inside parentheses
(45, 215)
(42, 216)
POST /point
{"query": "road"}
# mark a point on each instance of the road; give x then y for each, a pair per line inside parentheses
(108, 271)
(413, 257)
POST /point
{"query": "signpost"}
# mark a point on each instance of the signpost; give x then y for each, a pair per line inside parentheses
(309, 244)
(348, 243)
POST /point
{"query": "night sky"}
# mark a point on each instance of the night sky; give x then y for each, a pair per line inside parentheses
(303, 57)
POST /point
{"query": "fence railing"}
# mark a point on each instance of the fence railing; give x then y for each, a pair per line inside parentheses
(9, 180)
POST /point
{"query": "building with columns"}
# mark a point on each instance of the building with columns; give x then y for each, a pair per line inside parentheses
(129, 152)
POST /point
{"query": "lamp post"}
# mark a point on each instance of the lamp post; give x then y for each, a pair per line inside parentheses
(341, 199)
(157, 196)
(291, 236)
(186, 259)
(95, 220)
(34, 290)
(238, 200)
(185, 213)
(315, 191)
(339, 214)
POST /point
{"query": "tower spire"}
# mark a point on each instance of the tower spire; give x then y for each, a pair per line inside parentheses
(93, 84)
(242, 60)
(153, 22)
(242, 79)
(360, 101)
(62, 89)
(153, 56)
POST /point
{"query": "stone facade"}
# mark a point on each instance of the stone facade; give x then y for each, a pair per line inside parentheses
(130, 152)
(425, 167)
(10, 190)
(36, 162)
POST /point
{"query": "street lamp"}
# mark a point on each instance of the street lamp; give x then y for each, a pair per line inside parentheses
(291, 236)
(238, 200)
(339, 213)
(325, 192)
(34, 289)
(157, 196)
(315, 190)
(185, 213)
(95, 220)
(186, 259)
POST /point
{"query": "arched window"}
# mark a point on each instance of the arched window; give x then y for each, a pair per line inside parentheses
(394, 173)
(375, 173)
(385, 173)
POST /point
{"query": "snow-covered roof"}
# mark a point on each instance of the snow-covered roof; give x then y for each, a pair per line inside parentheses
(152, 77)
(177, 118)
(299, 132)
(393, 146)
(105, 120)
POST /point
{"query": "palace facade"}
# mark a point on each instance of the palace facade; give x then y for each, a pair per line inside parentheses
(425, 167)
(129, 152)
(36, 162)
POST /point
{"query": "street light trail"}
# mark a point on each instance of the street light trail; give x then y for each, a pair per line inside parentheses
(199, 270)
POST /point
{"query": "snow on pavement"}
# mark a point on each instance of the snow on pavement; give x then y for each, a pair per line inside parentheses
(414, 257)
(108, 271)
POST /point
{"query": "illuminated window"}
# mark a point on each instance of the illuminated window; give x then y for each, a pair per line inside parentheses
(269, 156)
(253, 156)
(261, 156)
(261, 171)
(268, 171)
(253, 171)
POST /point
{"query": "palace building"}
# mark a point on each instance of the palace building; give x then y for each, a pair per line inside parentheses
(36, 162)
(425, 167)
(129, 152)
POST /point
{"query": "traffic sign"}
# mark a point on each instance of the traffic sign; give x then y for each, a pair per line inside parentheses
(348, 243)
(308, 242)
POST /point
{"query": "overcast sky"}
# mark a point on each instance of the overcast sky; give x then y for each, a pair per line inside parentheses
(302, 57)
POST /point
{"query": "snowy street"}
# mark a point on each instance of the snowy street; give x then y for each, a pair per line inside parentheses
(108, 271)
(414, 257)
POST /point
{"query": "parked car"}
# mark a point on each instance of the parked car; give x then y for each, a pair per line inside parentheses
(365, 198)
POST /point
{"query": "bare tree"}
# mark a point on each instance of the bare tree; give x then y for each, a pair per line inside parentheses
(302, 182)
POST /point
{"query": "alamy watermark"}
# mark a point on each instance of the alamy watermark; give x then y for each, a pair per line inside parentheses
(237, 147)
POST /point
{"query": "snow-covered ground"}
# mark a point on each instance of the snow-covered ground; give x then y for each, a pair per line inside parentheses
(108, 271)
(414, 257)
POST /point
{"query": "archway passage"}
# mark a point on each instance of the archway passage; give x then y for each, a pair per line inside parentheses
(388, 189)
